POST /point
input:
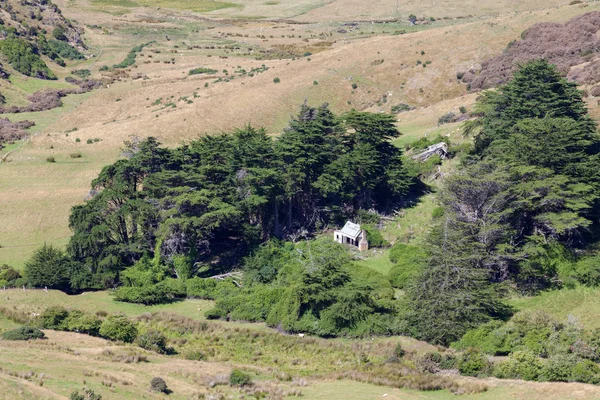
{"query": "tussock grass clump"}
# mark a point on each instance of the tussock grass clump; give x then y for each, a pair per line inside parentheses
(239, 378)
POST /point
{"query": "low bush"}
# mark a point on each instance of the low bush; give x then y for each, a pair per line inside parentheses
(78, 321)
(147, 295)
(520, 365)
(9, 276)
(586, 371)
(276, 80)
(50, 159)
(428, 362)
(239, 378)
(446, 118)
(400, 108)
(75, 155)
(473, 363)
(198, 71)
(152, 340)
(23, 333)
(54, 318)
(158, 384)
(558, 368)
(215, 313)
(374, 237)
(118, 327)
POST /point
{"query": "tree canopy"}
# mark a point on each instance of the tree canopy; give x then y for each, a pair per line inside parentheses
(215, 198)
(525, 200)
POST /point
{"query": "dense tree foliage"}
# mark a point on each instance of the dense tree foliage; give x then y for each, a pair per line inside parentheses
(48, 267)
(311, 287)
(203, 206)
(25, 58)
(521, 207)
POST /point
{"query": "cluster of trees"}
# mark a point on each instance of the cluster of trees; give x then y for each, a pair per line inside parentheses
(24, 49)
(311, 287)
(522, 211)
(25, 58)
(200, 208)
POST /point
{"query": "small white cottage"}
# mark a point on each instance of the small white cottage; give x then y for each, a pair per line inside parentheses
(352, 235)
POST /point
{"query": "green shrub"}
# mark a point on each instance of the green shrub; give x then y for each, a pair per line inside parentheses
(586, 371)
(59, 33)
(198, 71)
(448, 361)
(215, 313)
(473, 363)
(147, 295)
(175, 288)
(152, 340)
(276, 80)
(520, 365)
(239, 378)
(80, 322)
(54, 318)
(482, 338)
(374, 237)
(50, 159)
(462, 109)
(558, 368)
(354, 86)
(118, 327)
(23, 333)
(200, 288)
(400, 108)
(9, 276)
(75, 155)
(158, 384)
(446, 118)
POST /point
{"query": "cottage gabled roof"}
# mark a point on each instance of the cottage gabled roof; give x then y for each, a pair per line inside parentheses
(351, 230)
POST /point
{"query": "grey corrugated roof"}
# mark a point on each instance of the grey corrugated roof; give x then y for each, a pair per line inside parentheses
(351, 229)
